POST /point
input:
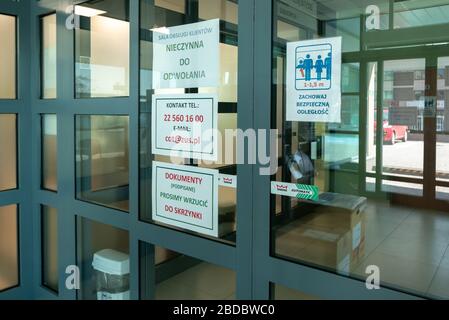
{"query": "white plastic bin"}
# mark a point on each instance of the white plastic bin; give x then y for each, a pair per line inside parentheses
(112, 275)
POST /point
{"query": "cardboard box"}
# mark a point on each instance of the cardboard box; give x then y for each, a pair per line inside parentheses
(331, 236)
(331, 248)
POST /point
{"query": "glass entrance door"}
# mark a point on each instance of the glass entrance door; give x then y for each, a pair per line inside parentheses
(401, 127)
(406, 110)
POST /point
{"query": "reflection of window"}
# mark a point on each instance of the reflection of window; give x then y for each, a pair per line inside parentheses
(7, 57)
(413, 14)
(388, 95)
(440, 123)
(102, 49)
(102, 160)
(8, 154)
(173, 5)
(224, 9)
(290, 32)
(349, 29)
(48, 56)
(419, 95)
(49, 152)
(420, 123)
(388, 76)
(420, 75)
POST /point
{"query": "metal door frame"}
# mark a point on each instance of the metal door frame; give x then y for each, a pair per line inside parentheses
(21, 106)
(269, 270)
(251, 258)
(429, 182)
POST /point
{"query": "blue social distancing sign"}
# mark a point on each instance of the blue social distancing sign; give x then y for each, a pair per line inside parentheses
(314, 80)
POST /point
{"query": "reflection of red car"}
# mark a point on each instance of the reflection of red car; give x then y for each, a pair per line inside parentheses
(394, 133)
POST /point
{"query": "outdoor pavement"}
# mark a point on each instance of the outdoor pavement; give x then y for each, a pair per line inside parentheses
(410, 155)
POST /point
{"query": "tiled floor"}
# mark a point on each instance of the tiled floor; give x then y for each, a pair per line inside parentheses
(410, 246)
(414, 254)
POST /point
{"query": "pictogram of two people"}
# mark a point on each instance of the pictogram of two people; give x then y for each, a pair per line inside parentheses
(307, 65)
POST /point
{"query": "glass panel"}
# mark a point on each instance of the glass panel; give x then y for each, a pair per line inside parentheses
(103, 257)
(8, 156)
(9, 248)
(349, 115)
(442, 193)
(371, 112)
(173, 5)
(180, 277)
(442, 127)
(418, 13)
(382, 217)
(99, 73)
(102, 156)
(7, 57)
(223, 9)
(349, 29)
(50, 271)
(49, 152)
(403, 106)
(350, 77)
(284, 293)
(170, 14)
(48, 54)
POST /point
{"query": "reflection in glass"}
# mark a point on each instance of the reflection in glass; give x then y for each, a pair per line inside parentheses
(49, 152)
(49, 225)
(418, 13)
(102, 158)
(48, 55)
(9, 261)
(172, 5)
(225, 10)
(8, 154)
(347, 28)
(102, 49)
(7, 57)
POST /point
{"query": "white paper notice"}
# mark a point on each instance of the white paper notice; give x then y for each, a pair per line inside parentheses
(186, 197)
(185, 126)
(187, 56)
(314, 80)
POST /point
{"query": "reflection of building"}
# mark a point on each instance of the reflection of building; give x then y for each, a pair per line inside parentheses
(404, 87)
